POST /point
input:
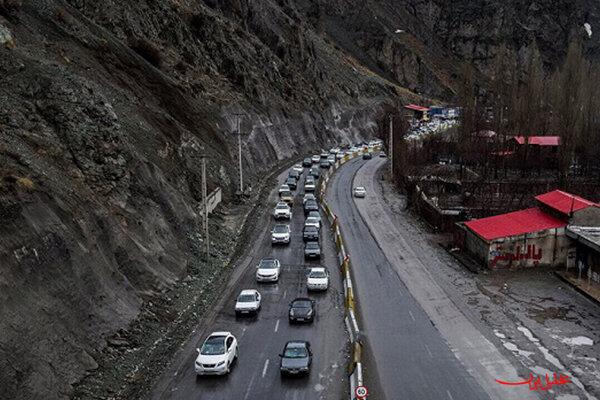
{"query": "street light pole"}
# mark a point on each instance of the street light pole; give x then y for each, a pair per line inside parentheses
(239, 135)
(205, 211)
(391, 149)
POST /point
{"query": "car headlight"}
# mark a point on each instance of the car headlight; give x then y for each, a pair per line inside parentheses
(220, 363)
(291, 313)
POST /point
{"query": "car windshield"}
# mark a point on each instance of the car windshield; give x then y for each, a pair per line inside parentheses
(286, 193)
(314, 214)
(246, 298)
(311, 220)
(312, 245)
(213, 346)
(282, 206)
(267, 264)
(301, 304)
(317, 274)
(310, 228)
(280, 229)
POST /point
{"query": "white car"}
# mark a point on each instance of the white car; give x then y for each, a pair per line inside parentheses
(298, 168)
(248, 302)
(315, 159)
(312, 221)
(217, 354)
(339, 156)
(284, 188)
(309, 186)
(268, 270)
(280, 234)
(308, 196)
(317, 279)
(335, 150)
(282, 211)
(359, 191)
(331, 159)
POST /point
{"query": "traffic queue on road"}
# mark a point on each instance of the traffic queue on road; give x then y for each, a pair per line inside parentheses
(219, 351)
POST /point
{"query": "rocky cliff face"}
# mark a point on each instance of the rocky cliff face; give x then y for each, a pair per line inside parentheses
(107, 107)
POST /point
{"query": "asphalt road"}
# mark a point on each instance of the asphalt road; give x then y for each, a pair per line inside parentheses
(409, 357)
(261, 339)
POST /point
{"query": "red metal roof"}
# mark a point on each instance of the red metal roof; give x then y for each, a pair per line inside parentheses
(564, 202)
(415, 107)
(539, 140)
(514, 224)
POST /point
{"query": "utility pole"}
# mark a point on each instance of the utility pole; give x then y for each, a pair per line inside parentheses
(239, 135)
(205, 211)
(391, 149)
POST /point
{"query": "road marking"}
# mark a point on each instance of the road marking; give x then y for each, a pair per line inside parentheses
(412, 316)
(449, 395)
(285, 293)
(428, 350)
(276, 325)
(265, 368)
(249, 387)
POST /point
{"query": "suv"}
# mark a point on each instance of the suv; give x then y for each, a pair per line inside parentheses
(217, 354)
(248, 302)
(317, 279)
(314, 171)
(324, 164)
(307, 163)
(312, 221)
(282, 211)
(294, 174)
(280, 234)
(310, 186)
(314, 214)
(315, 159)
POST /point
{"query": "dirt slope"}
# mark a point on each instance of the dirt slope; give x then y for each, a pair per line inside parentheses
(106, 108)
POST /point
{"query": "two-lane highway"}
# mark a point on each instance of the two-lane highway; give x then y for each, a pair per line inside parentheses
(261, 339)
(411, 358)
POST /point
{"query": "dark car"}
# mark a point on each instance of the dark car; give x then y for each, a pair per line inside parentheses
(292, 183)
(314, 171)
(324, 164)
(302, 309)
(367, 156)
(310, 233)
(296, 358)
(309, 206)
(294, 174)
(307, 163)
(312, 250)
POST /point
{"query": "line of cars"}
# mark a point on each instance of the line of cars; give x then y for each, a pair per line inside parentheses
(220, 350)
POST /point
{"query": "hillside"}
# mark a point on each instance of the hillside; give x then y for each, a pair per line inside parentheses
(107, 107)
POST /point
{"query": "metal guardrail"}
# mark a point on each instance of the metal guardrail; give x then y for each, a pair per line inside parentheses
(355, 370)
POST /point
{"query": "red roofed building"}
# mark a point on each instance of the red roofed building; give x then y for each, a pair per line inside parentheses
(526, 238)
(420, 112)
(539, 140)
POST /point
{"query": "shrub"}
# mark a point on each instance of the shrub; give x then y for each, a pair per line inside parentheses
(25, 183)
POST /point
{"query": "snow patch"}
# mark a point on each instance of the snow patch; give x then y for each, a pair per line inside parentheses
(399, 30)
(588, 29)
(578, 341)
(499, 334)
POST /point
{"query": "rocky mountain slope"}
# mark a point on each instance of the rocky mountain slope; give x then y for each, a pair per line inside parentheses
(107, 107)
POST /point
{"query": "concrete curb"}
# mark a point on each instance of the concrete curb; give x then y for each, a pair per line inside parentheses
(577, 288)
(355, 369)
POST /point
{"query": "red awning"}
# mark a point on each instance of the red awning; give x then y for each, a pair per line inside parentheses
(514, 224)
(415, 107)
(564, 202)
(539, 140)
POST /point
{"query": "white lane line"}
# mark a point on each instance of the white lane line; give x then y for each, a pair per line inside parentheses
(265, 368)
(428, 350)
(277, 326)
(449, 395)
(412, 316)
(249, 387)
(285, 293)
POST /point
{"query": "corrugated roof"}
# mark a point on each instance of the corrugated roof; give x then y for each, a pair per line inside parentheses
(539, 140)
(514, 224)
(564, 202)
(415, 107)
